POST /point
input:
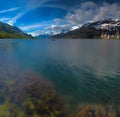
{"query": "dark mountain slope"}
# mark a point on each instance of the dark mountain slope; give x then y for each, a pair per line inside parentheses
(106, 29)
(8, 31)
(83, 33)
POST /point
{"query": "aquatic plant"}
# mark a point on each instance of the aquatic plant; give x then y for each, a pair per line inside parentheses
(95, 111)
(35, 96)
(30, 95)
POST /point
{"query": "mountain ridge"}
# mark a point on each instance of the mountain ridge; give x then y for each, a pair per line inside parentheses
(105, 29)
(8, 31)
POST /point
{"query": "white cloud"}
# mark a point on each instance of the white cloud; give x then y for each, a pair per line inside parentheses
(88, 4)
(75, 27)
(33, 34)
(108, 10)
(58, 28)
(59, 21)
(45, 29)
(30, 27)
(89, 11)
(8, 10)
(5, 19)
(10, 22)
(39, 32)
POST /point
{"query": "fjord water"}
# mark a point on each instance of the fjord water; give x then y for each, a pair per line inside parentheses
(81, 71)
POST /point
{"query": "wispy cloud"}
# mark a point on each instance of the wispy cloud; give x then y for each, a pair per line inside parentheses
(30, 27)
(33, 4)
(5, 19)
(58, 6)
(8, 10)
(58, 21)
(57, 27)
(35, 29)
(37, 3)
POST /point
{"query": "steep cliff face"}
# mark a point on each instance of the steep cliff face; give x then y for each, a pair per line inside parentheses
(109, 35)
(111, 30)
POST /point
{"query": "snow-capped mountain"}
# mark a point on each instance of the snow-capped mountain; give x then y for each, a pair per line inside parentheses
(104, 24)
(105, 29)
(109, 28)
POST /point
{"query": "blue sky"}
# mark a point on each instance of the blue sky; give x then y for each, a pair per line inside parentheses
(52, 16)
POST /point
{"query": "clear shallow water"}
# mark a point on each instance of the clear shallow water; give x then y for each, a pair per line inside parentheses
(82, 71)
